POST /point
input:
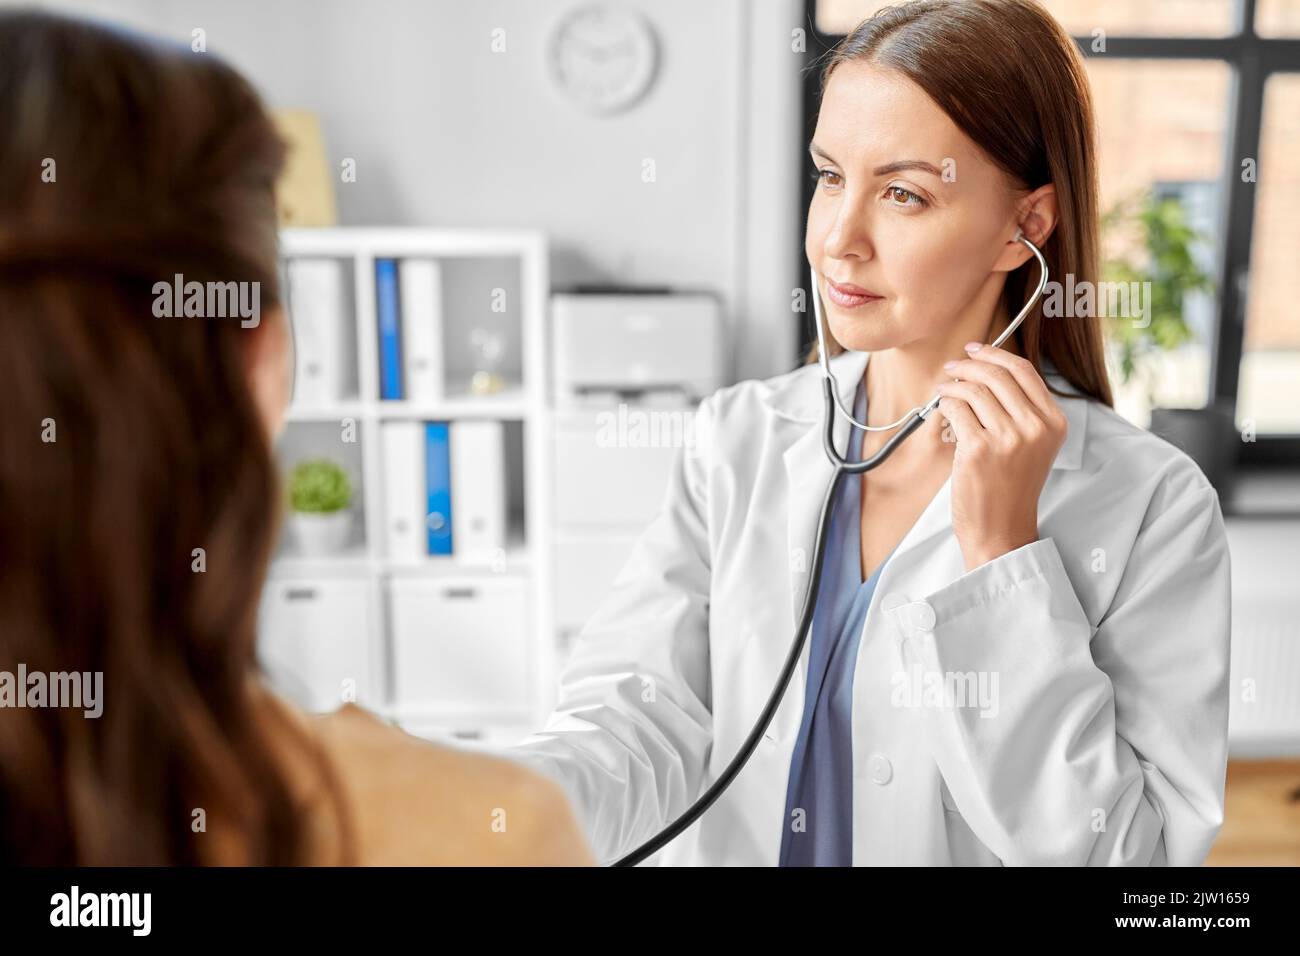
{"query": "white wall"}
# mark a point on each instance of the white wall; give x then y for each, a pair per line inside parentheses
(446, 132)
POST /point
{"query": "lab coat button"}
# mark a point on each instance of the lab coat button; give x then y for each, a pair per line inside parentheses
(879, 767)
(923, 616)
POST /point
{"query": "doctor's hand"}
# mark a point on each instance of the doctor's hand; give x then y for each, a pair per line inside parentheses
(1008, 430)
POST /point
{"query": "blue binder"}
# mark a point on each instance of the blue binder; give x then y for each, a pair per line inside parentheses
(437, 471)
(390, 349)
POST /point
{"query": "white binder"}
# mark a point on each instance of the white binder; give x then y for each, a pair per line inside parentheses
(420, 285)
(405, 495)
(320, 314)
(478, 489)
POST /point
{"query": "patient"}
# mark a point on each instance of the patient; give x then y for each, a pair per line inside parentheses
(128, 441)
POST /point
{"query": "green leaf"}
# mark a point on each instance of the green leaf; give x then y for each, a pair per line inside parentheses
(319, 486)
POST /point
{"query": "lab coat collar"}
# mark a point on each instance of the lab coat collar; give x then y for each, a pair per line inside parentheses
(808, 472)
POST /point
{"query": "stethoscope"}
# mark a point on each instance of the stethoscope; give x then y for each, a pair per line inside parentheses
(909, 423)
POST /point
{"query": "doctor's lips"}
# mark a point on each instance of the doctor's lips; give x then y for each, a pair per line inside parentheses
(849, 296)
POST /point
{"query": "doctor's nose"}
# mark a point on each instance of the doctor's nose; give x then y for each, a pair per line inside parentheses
(849, 236)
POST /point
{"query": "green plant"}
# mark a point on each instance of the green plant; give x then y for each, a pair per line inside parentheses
(1159, 229)
(319, 486)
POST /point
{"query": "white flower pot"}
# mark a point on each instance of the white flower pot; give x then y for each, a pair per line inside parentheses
(320, 534)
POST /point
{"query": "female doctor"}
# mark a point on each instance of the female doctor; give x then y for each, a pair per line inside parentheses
(1020, 648)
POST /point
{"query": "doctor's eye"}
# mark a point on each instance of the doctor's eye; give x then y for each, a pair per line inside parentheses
(821, 174)
(893, 192)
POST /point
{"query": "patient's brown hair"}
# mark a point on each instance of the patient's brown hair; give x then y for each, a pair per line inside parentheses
(127, 442)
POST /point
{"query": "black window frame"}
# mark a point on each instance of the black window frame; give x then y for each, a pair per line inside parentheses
(1252, 59)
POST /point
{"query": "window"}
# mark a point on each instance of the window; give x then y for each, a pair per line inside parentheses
(1081, 17)
(1162, 132)
(1268, 399)
(1146, 18)
(1277, 18)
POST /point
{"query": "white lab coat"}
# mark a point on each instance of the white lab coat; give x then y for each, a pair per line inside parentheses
(1109, 639)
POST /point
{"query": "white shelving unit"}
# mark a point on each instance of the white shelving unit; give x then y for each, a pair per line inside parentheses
(521, 258)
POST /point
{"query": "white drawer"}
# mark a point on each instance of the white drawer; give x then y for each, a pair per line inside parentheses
(460, 644)
(313, 642)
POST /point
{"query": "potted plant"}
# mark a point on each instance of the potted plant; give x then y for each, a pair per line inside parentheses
(319, 495)
(1165, 241)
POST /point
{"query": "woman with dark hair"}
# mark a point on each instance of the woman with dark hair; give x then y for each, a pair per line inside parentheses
(1019, 653)
(128, 441)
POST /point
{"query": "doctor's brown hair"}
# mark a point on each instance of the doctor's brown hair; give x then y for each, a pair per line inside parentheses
(1012, 80)
(128, 441)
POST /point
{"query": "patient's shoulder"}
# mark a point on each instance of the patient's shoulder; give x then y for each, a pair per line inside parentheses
(411, 801)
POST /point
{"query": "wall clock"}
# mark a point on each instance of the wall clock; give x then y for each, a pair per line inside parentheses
(603, 57)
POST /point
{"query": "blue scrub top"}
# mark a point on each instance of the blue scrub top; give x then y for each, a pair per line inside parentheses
(821, 770)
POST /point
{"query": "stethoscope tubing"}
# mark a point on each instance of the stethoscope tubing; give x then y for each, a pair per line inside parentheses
(706, 800)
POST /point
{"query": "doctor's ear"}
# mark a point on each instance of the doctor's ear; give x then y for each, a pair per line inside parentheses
(1036, 215)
